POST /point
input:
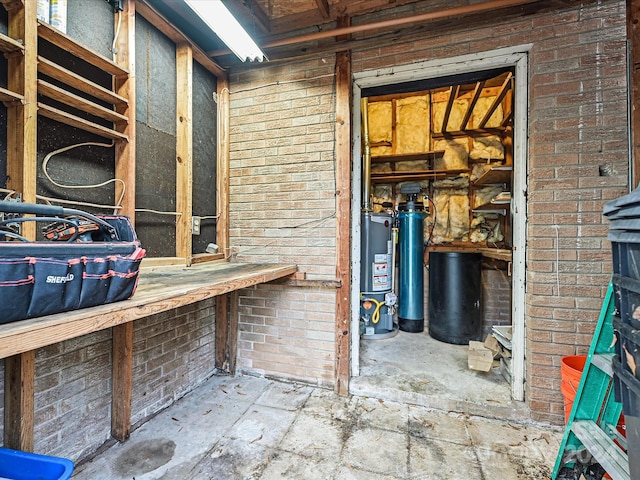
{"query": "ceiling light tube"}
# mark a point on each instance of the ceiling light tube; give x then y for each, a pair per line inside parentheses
(219, 19)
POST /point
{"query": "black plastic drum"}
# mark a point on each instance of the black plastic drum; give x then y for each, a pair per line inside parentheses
(455, 296)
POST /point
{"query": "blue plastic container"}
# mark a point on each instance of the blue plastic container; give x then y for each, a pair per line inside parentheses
(18, 465)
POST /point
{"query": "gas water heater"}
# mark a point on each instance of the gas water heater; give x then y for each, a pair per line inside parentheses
(377, 299)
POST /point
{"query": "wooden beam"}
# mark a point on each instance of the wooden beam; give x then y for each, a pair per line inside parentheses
(184, 150)
(125, 168)
(232, 332)
(170, 31)
(122, 373)
(222, 167)
(633, 39)
(506, 86)
(77, 122)
(343, 216)
(250, 10)
(453, 94)
(472, 104)
(323, 7)
(19, 371)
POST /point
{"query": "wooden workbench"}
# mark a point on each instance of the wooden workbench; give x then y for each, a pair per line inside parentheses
(159, 289)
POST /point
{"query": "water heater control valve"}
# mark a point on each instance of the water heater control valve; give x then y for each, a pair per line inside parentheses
(390, 299)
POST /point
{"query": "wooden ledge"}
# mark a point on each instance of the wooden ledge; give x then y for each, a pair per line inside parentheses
(159, 289)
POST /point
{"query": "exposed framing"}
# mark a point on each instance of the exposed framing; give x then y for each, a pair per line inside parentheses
(516, 57)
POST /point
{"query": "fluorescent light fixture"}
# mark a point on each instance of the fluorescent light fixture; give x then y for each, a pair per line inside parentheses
(219, 19)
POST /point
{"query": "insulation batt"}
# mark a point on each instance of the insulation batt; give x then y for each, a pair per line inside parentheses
(412, 125)
(456, 154)
(482, 107)
(458, 109)
(380, 122)
(487, 148)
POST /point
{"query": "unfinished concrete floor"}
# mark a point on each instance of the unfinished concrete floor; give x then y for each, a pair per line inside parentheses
(253, 428)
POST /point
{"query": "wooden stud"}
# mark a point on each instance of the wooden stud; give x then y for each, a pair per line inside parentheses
(222, 167)
(343, 216)
(19, 401)
(125, 166)
(453, 94)
(184, 150)
(21, 176)
(125, 87)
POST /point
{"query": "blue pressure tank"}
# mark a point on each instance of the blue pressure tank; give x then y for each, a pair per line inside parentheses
(411, 266)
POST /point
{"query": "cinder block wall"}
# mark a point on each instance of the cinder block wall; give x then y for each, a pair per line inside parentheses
(282, 168)
(173, 354)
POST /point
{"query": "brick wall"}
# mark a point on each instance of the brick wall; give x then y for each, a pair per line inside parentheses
(282, 209)
(282, 166)
(496, 299)
(173, 353)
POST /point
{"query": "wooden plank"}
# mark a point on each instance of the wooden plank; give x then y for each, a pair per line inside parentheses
(184, 150)
(9, 98)
(472, 104)
(633, 55)
(222, 332)
(323, 7)
(72, 79)
(125, 87)
(122, 373)
(60, 95)
(506, 86)
(222, 167)
(69, 45)
(73, 121)
(9, 45)
(343, 216)
(19, 372)
(409, 157)
(169, 30)
(453, 93)
(159, 289)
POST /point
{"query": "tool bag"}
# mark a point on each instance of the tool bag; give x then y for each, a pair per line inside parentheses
(88, 260)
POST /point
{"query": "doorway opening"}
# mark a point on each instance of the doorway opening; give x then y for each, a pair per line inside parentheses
(444, 143)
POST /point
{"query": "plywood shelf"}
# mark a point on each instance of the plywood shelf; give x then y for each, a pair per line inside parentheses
(416, 175)
(68, 44)
(74, 121)
(408, 157)
(495, 176)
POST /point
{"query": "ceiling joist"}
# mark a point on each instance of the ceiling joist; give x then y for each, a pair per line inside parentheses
(323, 6)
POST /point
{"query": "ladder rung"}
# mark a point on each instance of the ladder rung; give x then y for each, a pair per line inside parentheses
(603, 362)
(603, 449)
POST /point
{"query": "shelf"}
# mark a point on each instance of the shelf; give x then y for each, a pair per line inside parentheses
(58, 94)
(50, 69)
(71, 120)
(9, 45)
(413, 175)
(66, 43)
(408, 157)
(472, 132)
(9, 97)
(495, 176)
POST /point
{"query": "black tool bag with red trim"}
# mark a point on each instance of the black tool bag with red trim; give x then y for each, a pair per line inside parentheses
(84, 260)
